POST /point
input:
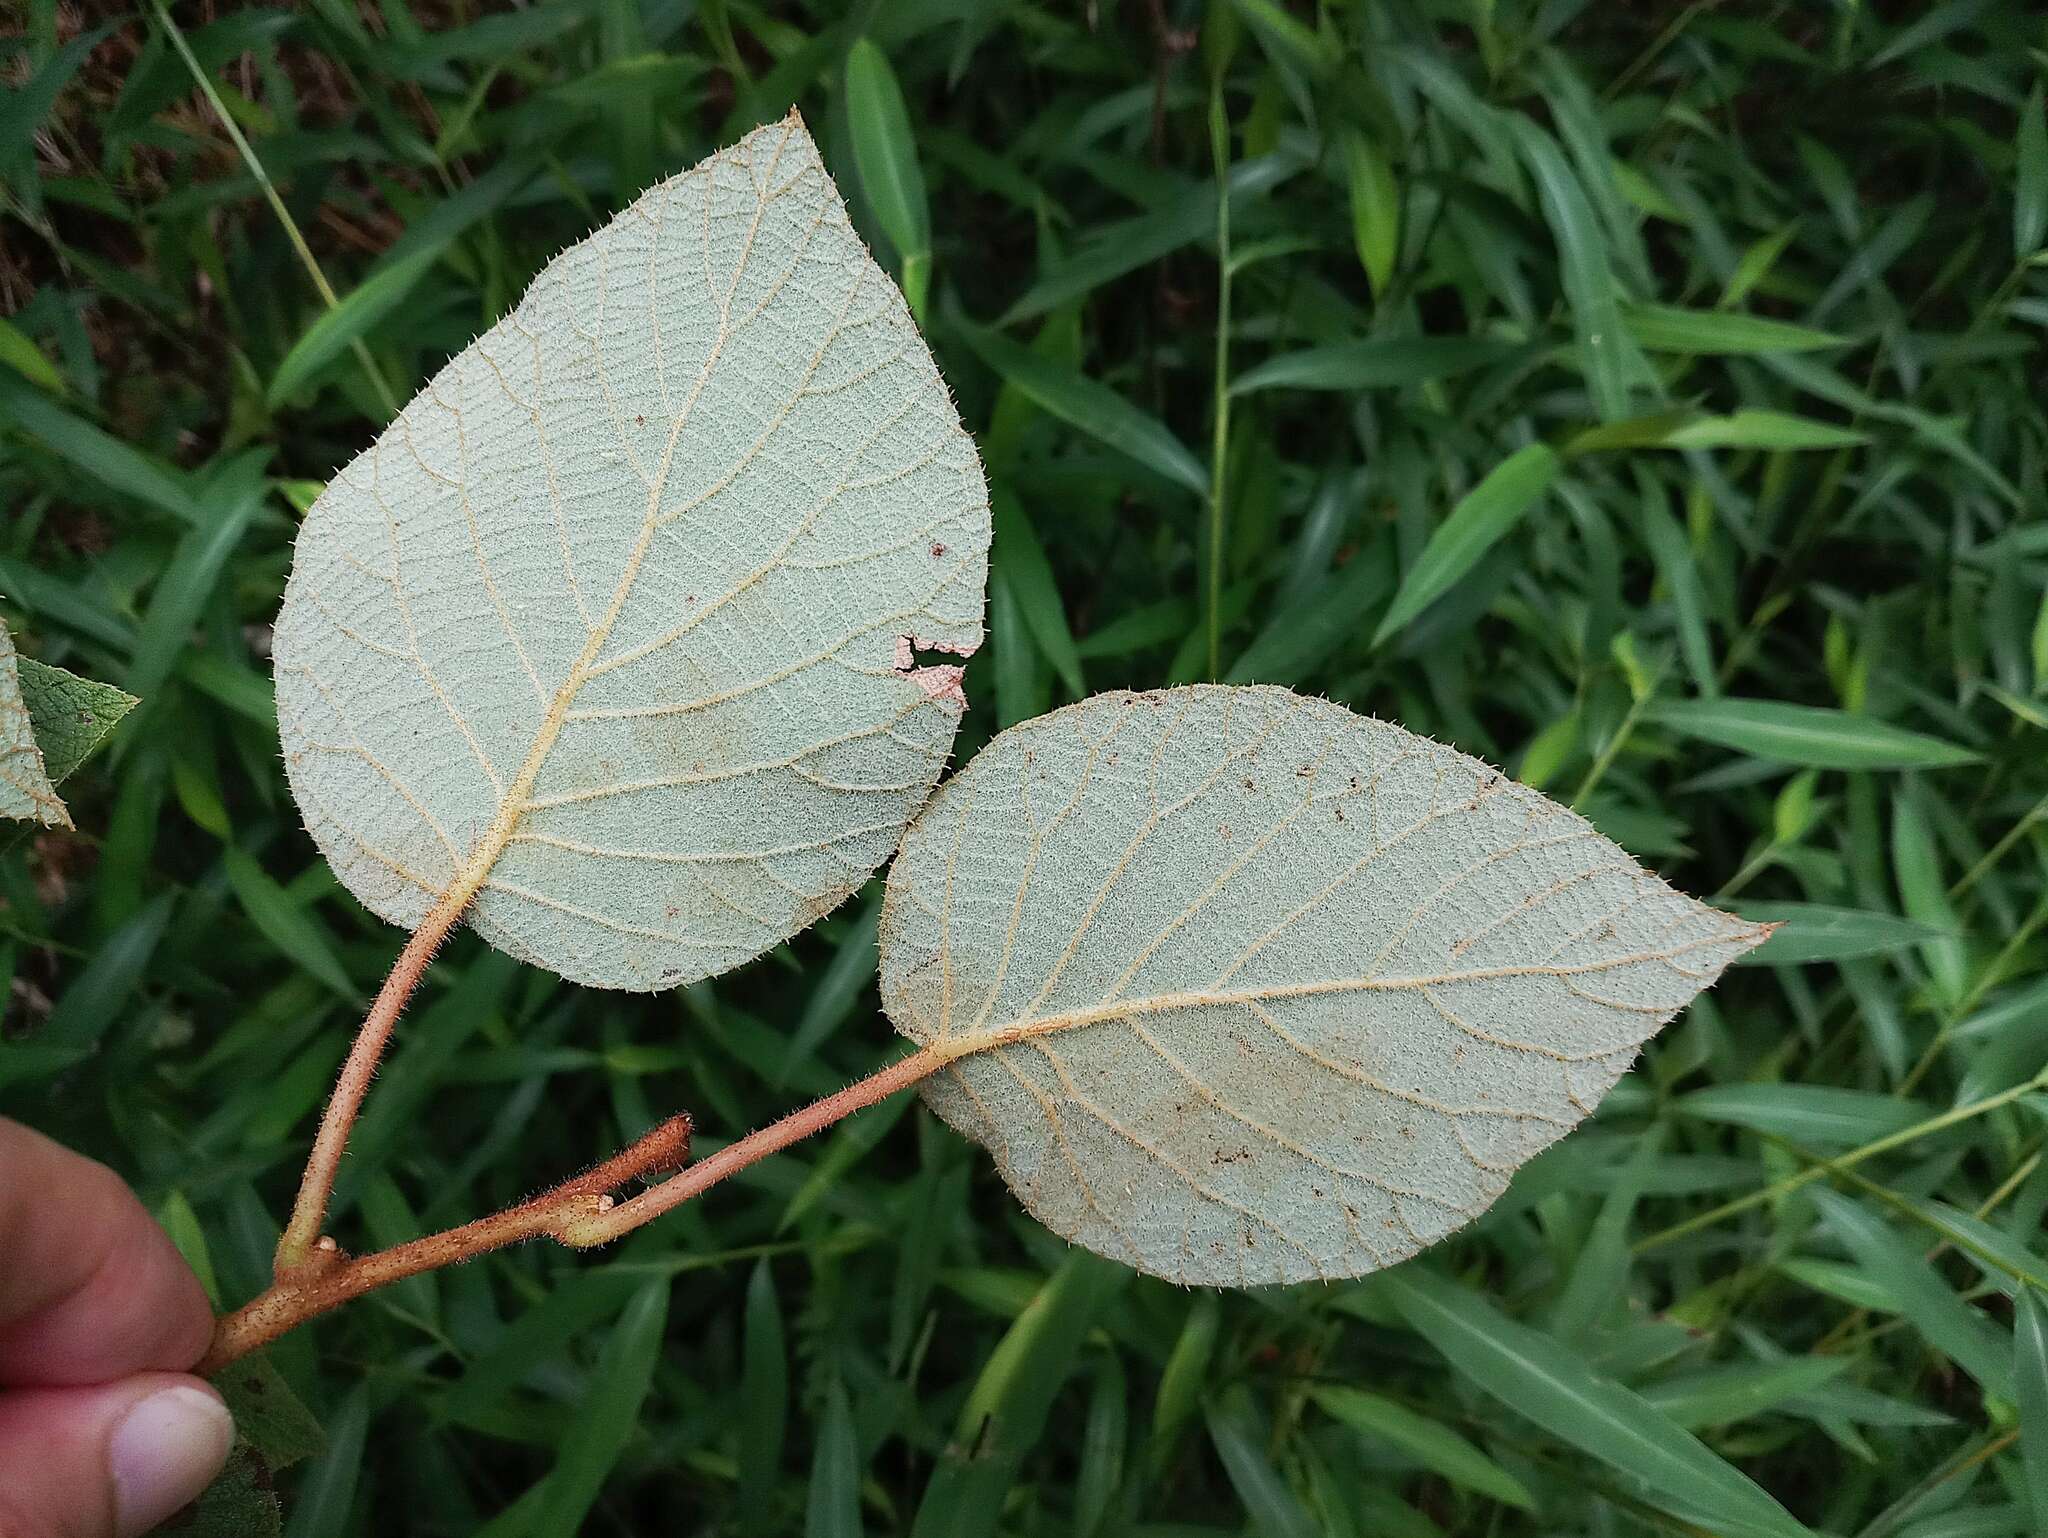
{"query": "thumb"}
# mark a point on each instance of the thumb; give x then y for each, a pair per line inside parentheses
(109, 1461)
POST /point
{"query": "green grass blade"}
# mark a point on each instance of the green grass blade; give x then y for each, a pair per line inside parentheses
(1483, 516)
(886, 152)
(1094, 408)
(1537, 1378)
(608, 1413)
(1430, 1443)
(1807, 736)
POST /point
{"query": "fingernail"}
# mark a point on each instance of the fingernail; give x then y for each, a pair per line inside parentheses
(164, 1452)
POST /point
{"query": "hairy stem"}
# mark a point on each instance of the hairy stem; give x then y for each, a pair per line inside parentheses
(295, 1250)
(616, 1222)
(579, 1213)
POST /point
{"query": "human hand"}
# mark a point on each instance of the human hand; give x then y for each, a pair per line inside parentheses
(102, 1432)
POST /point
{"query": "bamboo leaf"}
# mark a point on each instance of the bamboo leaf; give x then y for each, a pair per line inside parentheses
(1483, 516)
(1536, 1377)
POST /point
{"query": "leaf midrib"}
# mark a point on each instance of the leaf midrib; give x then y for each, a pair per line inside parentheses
(517, 800)
(951, 1047)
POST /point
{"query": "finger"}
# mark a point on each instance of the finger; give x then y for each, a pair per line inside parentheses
(92, 1289)
(110, 1461)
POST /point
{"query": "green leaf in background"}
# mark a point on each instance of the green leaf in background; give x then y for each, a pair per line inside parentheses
(1021, 560)
(886, 152)
(1552, 1386)
(1762, 430)
(1819, 1115)
(1724, 1396)
(766, 1392)
(286, 924)
(1483, 516)
(1818, 932)
(2030, 1380)
(1376, 364)
(1005, 1411)
(240, 1503)
(118, 466)
(1719, 333)
(387, 287)
(326, 1494)
(1375, 208)
(2030, 177)
(1187, 1049)
(832, 1504)
(1808, 736)
(608, 1413)
(269, 1417)
(1240, 1444)
(1093, 407)
(1430, 1443)
(1608, 360)
(1921, 1295)
(71, 716)
(337, 330)
(27, 360)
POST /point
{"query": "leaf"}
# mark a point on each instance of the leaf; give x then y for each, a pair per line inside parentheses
(609, 1413)
(1722, 1396)
(1375, 208)
(72, 716)
(1535, 1376)
(2030, 178)
(1918, 1292)
(1817, 932)
(1483, 515)
(1005, 1412)
(2030, 1377)
(1242, 988)
(613, 631)
(1241, 1443)
(1430, 1443)
(764, 1393)
(100, 455)
(240, 1503)
(1806, 735)
(22, 355)
(269, 1417)
(26, 793)
(832, 1508)
(1608, 359)
(1806, 1113)
(1762, 430)
(393, 280)
(1719, 333)
(1093, 407)
(886, 153)
(1373, 364)
(285, 924)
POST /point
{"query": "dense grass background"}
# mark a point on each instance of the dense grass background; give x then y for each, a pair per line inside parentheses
(1767, 279)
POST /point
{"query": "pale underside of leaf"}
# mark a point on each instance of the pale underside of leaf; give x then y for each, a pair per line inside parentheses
(611, 635)
(26, 794)
(1240, 988)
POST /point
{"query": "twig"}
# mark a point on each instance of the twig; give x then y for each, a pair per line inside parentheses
(297, 1248)
(579, 1213)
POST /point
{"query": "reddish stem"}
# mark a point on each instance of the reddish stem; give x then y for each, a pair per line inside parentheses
(577, 1213)
(298, 1252)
